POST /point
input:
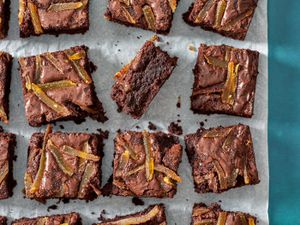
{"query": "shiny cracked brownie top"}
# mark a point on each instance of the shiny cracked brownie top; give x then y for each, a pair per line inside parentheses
(66, 219)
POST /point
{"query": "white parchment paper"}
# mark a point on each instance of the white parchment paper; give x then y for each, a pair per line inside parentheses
(112, 46)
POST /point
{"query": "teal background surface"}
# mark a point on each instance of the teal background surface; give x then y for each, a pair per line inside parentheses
(284, 111)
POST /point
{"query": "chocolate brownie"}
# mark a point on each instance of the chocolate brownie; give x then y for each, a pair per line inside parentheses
(214, 215)
(4, 17)
(63, 165)
(3, 220)
(230, 18)
(37, 17)
(153, 215)
(222, 158)
(225, 80)
(156, 15)
(7, 147)
(58, 86)
(146, 164)
(5, 78)
(66, 219)
(139, 81)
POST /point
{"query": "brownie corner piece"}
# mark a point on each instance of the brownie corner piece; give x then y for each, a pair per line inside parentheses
(225, 80)
(155, 16)
(138, 82)
(226, 157)
(154, 214)
(36, 17)
(213, 214)
(3, 220)
(63, 158)
(4, 18)
(146, 164)
(59, 86)
(229, 18)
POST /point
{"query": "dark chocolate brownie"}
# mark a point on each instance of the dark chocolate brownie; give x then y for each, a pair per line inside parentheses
(230, 18)
(63, 165)
(153, 215)
(156, 15)
(146, 164)
(4, 17)
(222, 158)
(214, 215)
(5, 78)
(58, 86)
(7, 147)
(3, 220)
(225, 80)
(37, 17)
(64, 219)
(139, 81)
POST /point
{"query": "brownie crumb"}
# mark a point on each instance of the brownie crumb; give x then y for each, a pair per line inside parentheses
(178, 104)
(103, 134)
(65, 201)
(152, 126)
(201, 124)
(61, 127)
(175, 128)
(102, 217)
(107, 189)
(52, 207)
(137, 201)
(137, 127)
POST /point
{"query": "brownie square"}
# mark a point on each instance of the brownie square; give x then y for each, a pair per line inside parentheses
(156, 16)
(146, 164)
(230, 18)
(7, 147)
(214, 215)
(59, 86)
(139, 81)
(4, 17)
(37, 17)
(63, 165)
(154, 214)
(70, 219)
(222, 158)
(225, 80)
(5, 78)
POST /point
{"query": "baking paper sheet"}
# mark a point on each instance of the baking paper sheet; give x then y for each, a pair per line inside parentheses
(112, 46)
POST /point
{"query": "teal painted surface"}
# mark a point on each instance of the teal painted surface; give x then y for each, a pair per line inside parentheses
(284, 111)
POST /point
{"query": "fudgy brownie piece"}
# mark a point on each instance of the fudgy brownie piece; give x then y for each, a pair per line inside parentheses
(225, 80)
(156, 15)
(37, 17)
(230, 18)
(153, 215)
(63, 165)
(139, 81)
(222, 158)
(214, 215)
(69, 219)
(4, 17)
(5, 78)
(7, 147)
(58, 86)
(146, 164)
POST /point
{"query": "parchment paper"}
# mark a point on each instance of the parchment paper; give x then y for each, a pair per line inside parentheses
(111, 46)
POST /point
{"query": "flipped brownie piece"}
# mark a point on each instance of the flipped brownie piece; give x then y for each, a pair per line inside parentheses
(139, 81)
(5, 78)
(156, 15)
(229, 18)
(222, 158)
(7, 147)
(214, 215)
(225, 80)
(154, 214)
(58, 86)
(63, 165)
(70, 219)
(146, 164)
(3, 220)
(37, 17)
(4, 17)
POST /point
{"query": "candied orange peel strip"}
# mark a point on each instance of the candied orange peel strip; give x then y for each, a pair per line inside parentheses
(38, 68)
(170, 173)
(149, 16)
(228, 140)
(4, 172)
(238, 18)
(173, 5)
(58, 7)
(221, 175)
(35, 18)
(243, 219)
(217, 133)
(228, 94)
(53, 61)
(77, 55)
(128, 149)
(3, 115)
(168, 181)
(149, 163)
(79, 153)
(204, 11)
(22, 6)
(251, 221)
(204, 222)
(88, 173)
(135, 170)
(200, 211)
(57, 85)
(222, 218)
(216, 62)
(124, 159)
(220, 12)
(127, 15)
(42, 221)
(123, 71)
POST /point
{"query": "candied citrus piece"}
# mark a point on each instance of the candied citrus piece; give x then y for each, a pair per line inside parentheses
(88, 173)
(222, 218)
(204, 222)
(124, 159)
(21, 14)
(200, 211)
(54, 62)
(35, 19)
(57, 85)
(149, 163)
(57, 7)
(127, 15)
(28, 83)
(38, 68)
(204, 11)
(119, 184)
(173, 5)
(149, 16)
(236, 19)
(220, 12)
(128, 148)
(221, 175)
(168, 181)
(227, 144)
(42, 221)
(243, 219)
(127, 2)
(78, 153)
(170, 173)
(228, 94)
(77, 55)
(216, 62)
(4, 172)
(135, 170)
(246, 176)
(27, 181)
(251, 221)
(192, 48)
(154, 38)
(59, 158)
(123, 71)
(3, 115)
(217, 133)
(140, 219)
